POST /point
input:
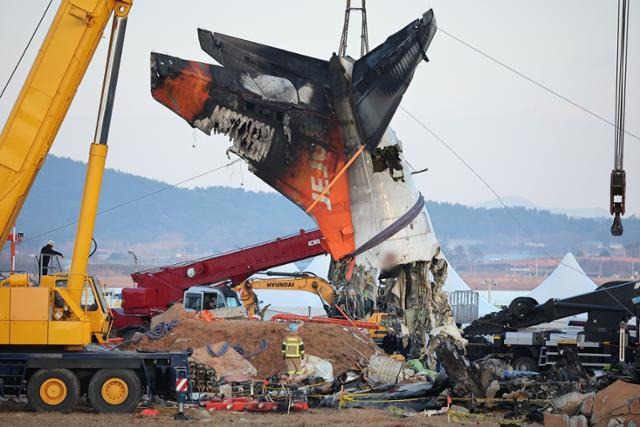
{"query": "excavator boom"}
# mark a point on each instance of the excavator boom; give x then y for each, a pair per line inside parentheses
(300, 282)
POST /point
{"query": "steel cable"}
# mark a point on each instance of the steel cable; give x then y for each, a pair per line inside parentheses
(24, 51)
(501, 201)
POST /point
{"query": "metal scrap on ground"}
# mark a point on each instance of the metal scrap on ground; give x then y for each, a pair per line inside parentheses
(335, 375)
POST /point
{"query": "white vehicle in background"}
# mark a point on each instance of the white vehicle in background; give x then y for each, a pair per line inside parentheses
(114, 297)
(198, 298)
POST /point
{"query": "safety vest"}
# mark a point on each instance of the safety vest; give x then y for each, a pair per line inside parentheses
(293, 347)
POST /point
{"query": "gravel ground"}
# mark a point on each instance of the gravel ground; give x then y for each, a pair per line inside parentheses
(15, 414)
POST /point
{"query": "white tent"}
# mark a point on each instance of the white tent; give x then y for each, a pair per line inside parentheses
(455, 283)
(567, 280)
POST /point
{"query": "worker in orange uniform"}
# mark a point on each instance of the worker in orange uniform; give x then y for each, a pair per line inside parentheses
(293, 351)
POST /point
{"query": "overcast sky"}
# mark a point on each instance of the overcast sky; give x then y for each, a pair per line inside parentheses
(522, 140)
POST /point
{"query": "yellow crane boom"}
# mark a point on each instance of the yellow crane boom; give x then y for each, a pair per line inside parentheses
(45, 98)
(66, 309)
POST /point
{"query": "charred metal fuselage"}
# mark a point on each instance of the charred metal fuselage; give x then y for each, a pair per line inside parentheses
(297, 121)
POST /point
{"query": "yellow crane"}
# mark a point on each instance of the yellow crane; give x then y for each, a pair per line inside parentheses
(45, 326)
(66, 308)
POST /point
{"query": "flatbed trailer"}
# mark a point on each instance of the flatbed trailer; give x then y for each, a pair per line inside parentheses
(113, 381)
(539, 350)
(603, 339)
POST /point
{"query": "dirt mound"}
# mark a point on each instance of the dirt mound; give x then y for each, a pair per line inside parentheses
(340, 345)
(175, 312)
(229, 363)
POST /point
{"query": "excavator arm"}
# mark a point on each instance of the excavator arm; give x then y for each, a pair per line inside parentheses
(306, 282)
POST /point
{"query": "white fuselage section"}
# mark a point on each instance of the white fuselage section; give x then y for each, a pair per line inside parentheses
(377, 200)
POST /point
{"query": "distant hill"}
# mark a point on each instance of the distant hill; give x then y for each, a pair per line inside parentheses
(166, 223)
(202, 220)
(522, 230)
(516, 201)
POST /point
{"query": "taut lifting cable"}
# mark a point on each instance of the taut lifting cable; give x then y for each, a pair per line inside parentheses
(533, 81)
(364, 33)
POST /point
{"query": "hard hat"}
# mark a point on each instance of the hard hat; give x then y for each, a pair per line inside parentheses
(293, 327)
(50, 243)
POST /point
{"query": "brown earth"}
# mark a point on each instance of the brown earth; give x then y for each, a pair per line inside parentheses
(84, 417)
(342, 346)
(175, 312)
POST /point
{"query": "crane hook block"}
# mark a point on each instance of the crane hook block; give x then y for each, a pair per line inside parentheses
(617, 199)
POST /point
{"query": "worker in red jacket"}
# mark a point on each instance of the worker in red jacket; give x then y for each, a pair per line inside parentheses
(293, 351)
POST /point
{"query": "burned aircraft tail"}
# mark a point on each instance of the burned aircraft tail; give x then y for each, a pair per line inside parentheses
(280, 111)
(381, 77)
(243, 55)
(298, 122)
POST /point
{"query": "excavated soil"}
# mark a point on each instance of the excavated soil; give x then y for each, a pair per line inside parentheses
(342, 346)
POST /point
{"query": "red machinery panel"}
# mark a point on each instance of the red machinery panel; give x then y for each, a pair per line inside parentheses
(160, 287)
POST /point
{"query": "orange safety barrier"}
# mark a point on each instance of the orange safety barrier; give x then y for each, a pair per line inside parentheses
(327, 320)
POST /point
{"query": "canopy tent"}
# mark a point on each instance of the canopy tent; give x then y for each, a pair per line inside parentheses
(567, 280)
(455, 283)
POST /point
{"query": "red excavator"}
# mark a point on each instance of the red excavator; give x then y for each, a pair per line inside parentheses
(159, 288)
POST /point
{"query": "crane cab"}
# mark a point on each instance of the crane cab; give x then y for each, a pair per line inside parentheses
(52, 313)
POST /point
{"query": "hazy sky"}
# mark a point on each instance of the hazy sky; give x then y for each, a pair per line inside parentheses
(521, 139)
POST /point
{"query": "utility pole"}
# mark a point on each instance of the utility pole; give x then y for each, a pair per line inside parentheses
(14, 238)
(135, 258)
(489, 284)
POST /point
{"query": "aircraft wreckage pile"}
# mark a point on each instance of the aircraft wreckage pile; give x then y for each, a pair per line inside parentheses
(318, 132)
(236, 364)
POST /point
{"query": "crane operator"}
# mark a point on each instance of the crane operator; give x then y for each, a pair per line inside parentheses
(46, 253)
